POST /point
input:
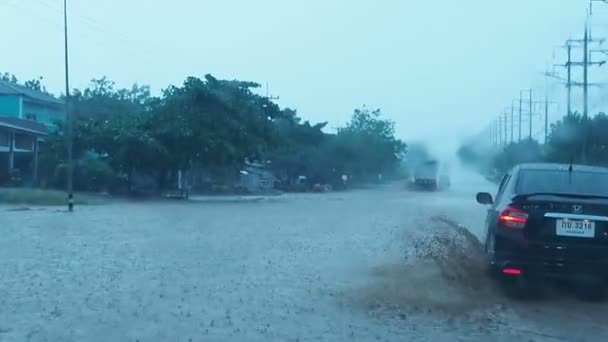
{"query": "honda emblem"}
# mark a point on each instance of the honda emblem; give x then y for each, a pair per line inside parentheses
(577, 209)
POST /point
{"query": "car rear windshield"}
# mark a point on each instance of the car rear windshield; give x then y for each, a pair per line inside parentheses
(560, 181)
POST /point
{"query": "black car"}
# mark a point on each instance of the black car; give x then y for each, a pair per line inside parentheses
(549, 221)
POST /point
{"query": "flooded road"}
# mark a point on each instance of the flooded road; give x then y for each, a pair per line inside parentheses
(380, 264)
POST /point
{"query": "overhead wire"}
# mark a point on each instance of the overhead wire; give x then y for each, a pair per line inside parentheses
(103, 34)
(17, 5)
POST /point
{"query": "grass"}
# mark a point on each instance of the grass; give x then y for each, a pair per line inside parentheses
(44, 197)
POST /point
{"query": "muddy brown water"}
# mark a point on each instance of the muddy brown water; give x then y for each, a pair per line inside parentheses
(442, 278)
(442, 271)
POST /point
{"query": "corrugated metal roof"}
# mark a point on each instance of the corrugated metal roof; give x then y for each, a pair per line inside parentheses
(7, 88)
(28, 126)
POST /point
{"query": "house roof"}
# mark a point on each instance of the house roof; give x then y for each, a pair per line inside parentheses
(7, 88)
(26, 126)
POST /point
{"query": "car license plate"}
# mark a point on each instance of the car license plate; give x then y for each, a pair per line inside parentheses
(577, 228)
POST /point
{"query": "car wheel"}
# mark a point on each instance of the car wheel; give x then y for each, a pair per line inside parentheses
(489, 245)
(491, 264)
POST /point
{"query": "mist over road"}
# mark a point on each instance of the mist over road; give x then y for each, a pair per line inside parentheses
(381, 264)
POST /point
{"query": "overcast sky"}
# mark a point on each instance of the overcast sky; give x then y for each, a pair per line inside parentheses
(437, 68)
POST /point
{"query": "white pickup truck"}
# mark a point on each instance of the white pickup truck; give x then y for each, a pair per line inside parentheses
(425, 175)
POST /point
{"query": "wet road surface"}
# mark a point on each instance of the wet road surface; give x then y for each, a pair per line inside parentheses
(380, 264)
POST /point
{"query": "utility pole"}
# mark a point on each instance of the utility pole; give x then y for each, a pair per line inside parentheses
(519, 126)
(268, 96)
(530, 113)
(586, 63)
(499, 129)
(505, 124)
(68, 112)
(569, 84)
(546, 118)
(585, 90)
(568, 80)
(499, 124)
(544, 105)
(521, 99)
(585, 72)
(512, 112)
(496, 134)
(495, 127)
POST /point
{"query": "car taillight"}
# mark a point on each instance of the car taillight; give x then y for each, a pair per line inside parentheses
(511, 271)
(512, 218)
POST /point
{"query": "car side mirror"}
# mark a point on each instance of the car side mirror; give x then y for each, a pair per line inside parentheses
(484, 198)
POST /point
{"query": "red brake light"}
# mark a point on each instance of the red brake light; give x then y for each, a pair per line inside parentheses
(512, 218)
(512, 271)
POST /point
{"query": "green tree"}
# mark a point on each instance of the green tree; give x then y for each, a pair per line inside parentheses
(526, 151)
(7, 77)
(300, 144)
(365, 147)
(574, 138)
(109, 124)
(212, 123)
(36, 84)
(371, 139)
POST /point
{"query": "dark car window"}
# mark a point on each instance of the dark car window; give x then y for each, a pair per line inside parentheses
(560, 181)
(502, 186)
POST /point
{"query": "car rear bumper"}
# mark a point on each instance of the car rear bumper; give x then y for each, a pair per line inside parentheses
(555, 269)
(552, 260)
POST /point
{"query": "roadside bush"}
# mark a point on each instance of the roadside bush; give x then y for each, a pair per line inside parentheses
(91, 174)
(28, 196)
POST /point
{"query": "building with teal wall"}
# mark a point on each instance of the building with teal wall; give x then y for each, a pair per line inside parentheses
(20, 102)
(26, 117)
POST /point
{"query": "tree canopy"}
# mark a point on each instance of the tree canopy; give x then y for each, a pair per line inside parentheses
(574, 138)
(215, 124)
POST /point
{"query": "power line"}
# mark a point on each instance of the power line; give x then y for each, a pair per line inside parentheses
(591, 5)
(587, 61)
(18, 6)
(521, 103)
(92, 25)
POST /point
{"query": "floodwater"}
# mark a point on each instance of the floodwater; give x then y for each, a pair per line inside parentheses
(380, 264)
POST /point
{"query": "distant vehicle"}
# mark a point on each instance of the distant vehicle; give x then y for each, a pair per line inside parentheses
(549, 221)
(425, 175)
(300, 184)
